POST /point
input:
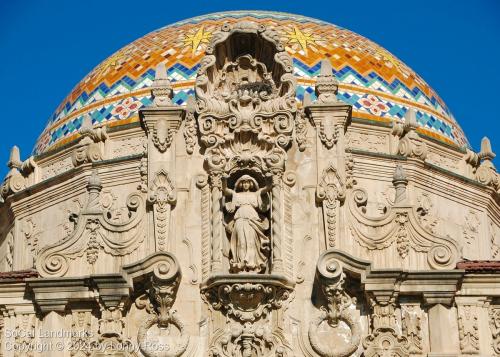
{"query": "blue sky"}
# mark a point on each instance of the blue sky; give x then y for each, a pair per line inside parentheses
(46, 47)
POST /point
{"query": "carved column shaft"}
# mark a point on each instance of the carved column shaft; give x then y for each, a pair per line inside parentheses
(277, 224)
(217, 218)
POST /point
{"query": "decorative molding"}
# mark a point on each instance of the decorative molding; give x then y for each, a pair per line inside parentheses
(494, 322)
(248, 302)
(56, 168)
(21, 174)
(162, 289)
(486, 172)
(468, 329)
(470, 228)
(90, 147)
(332, 280)
(203, 186)
(129, 146)
(301, 128)
(410, 144)
(329, 192)
(190, 127)
(384, 340)
(162, 195)
(365, 141)
(81, 332)
(95, 231)
(411, 323)
(400, 225)
(32, 235)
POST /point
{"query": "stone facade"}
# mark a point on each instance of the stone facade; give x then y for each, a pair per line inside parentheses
(245, 225)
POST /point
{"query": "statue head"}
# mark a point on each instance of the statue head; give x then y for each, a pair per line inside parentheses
(246, 183)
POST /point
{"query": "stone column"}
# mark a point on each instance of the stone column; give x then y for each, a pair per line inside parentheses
(161, 122)
(277, 223)
(217, 226)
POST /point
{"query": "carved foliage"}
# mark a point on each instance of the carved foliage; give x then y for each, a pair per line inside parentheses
(412, 328)
(162, 195)
(410, 143)
(470, 228)
(96, 230)
(80, 333)
(331, 277)
(329, 192)
(494, 322)
(468, 329)
(161, 293)
(90, 148)
(400, 225)
(384, 339)
(23, 341)
(248, 303)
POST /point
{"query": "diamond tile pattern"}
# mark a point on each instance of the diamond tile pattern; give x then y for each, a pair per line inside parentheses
(377, 84)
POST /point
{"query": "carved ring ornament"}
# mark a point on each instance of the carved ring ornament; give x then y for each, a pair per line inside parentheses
(332, 279)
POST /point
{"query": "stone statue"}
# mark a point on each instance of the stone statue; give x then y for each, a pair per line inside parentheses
(249, 246)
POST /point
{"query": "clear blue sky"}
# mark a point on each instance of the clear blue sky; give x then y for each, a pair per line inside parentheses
(46, 47)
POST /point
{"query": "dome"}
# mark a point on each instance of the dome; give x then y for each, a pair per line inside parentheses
(379, 86)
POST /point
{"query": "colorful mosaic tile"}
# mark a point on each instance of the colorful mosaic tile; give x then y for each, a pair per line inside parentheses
(376, 83)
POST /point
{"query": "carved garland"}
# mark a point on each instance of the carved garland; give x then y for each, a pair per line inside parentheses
(95, 230)
(333, 280)
(400, 224)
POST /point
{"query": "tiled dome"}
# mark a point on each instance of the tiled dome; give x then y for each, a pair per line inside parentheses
(378, 85)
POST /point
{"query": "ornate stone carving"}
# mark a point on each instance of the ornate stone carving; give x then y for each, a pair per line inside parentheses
(364, 141)
(412, 328)
(9, 255)
(327, 86)
(129, 146)
(162, 120)
(468, 329)
(494, 322)
(399, 224)
(329, 192)
(56, 168)
(384, 339)
(143, 170)
(162, 196)
(470, 228)
(162, 289)
(249, 246)
(302, 261)
(332, 279)
(202, 184)
(410, 144)
(190, 127)
(301, 126)
(90, 147)
(494, 239)
(426, 212)
(246, 119)
(96, 230)
(161, 89)
(249, 302)
(18, 177)
(442, 161)
(81, 333)
(486, 172)
(32, 234)
(25, 338)
(111, 332)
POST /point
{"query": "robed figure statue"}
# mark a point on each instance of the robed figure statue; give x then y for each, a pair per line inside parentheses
(249, 246)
